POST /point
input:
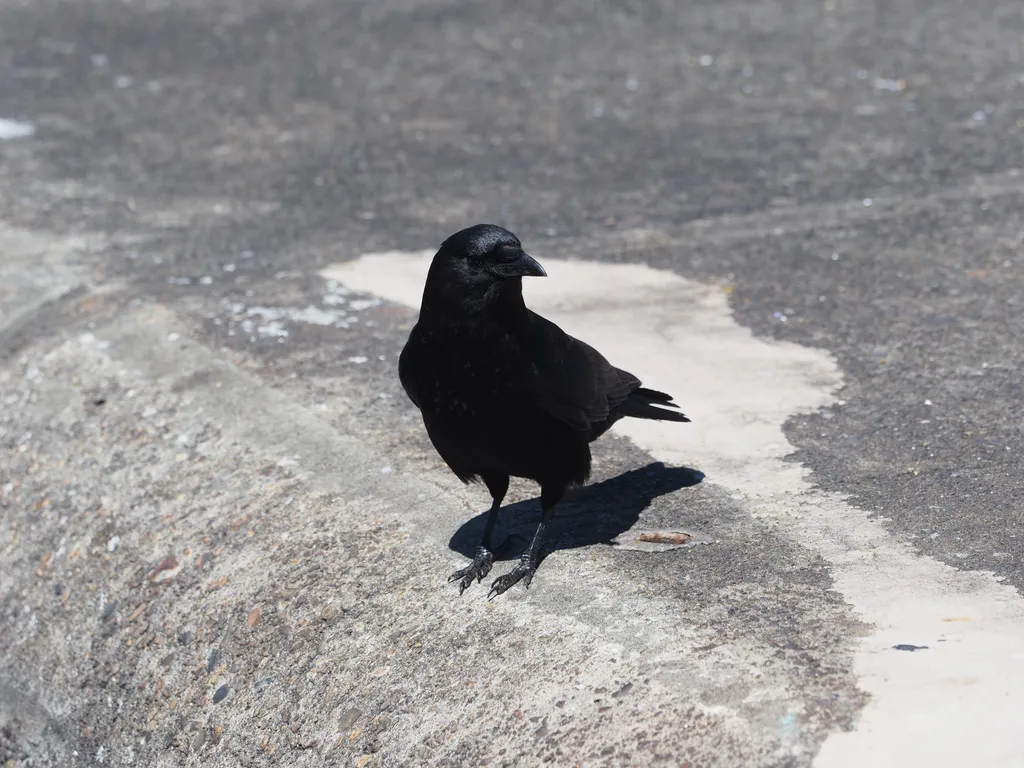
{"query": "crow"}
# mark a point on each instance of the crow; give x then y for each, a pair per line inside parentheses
(505, 393)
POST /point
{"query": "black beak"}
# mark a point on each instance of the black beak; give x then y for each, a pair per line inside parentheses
(522, 265)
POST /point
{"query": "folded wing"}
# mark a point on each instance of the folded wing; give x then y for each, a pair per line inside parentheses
(575, 384)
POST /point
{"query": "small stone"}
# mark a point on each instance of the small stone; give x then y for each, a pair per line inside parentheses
(212, 660)
(137, 612)
(349, 718)
(44, 563)
(623, 691)
(329, 613)
(109, 609)
(221, 694)
(184, 638)
(165, 570)
(262, 683)
(58, 589)
(253, 618)
(216, 584)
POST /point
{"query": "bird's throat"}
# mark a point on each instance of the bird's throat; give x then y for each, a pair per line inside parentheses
(500, 300)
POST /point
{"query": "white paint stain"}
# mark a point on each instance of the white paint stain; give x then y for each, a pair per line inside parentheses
(961, 701)
(309, 315)
(15, 129)
(339, 311)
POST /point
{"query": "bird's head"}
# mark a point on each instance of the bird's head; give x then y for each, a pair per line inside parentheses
(486, 253)
(479, 269)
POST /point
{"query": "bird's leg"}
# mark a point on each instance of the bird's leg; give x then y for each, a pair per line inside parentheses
(530, 559)
(484, 557)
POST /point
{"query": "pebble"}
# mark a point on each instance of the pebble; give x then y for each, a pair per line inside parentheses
(262, 683)
(109, 609)
(349, 718)
(166, 570)
(329, 613)
(221, 694)
(44, 563)
(216, 584)
(212, 660)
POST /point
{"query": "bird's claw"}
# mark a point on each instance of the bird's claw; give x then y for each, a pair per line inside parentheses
(480, 567)
(522, 572)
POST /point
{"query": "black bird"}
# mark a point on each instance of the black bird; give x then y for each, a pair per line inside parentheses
(504, 392)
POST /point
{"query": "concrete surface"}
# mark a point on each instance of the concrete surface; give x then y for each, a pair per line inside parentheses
(740, 392)
(224, 535)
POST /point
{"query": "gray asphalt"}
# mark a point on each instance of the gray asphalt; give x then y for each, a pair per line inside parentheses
(848, 169)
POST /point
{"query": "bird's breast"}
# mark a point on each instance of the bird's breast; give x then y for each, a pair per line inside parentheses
(463, 379)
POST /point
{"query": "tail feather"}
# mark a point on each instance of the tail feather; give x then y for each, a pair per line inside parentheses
(654, 396)
(650, 404)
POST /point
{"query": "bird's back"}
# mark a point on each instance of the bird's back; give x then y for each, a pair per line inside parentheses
(476, 389)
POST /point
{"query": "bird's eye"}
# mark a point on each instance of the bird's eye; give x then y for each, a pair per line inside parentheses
(504, 251)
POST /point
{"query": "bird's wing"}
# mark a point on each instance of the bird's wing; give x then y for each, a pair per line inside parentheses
(572, 380)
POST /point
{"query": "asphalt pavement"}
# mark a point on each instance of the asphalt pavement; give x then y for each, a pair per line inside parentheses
(224, 536)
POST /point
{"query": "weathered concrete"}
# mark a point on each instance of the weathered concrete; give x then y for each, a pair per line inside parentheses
(161, 490)
(847, 173)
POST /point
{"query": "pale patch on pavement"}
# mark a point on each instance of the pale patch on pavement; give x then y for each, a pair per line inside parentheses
(955, 703)
(15, 129)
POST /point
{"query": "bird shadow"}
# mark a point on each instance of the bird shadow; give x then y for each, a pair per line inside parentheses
(594, 514)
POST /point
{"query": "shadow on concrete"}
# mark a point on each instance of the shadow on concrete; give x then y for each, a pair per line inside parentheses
(593, 514)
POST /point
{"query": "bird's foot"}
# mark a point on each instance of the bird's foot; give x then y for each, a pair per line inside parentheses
(480, 567)
(523, 572)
